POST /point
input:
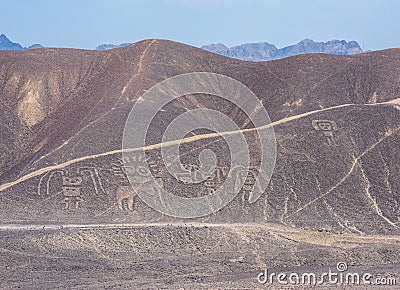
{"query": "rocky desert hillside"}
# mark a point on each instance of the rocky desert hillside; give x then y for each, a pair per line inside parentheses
(333, 195)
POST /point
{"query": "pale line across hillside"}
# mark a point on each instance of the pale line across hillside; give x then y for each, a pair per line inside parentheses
(175, 142)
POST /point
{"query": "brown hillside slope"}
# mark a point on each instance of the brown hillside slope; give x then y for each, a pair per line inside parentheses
(333, 197)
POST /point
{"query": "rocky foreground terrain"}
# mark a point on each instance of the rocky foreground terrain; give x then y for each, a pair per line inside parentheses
(68, 220)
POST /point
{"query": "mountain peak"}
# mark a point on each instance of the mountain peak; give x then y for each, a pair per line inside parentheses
(307, 40)
(108, 46)
(35, 46)
(7, 44)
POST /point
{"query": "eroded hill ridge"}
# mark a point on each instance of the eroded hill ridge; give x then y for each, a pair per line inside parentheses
(65, 109)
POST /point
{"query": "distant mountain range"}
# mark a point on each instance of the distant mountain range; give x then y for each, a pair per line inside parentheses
(266, 51)
(6, 44)
(111, 46)
(249, 51)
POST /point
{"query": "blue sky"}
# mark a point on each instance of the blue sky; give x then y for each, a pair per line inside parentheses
(87, 23)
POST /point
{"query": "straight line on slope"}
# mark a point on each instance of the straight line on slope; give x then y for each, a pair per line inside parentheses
(139, 70)
(345, 177)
